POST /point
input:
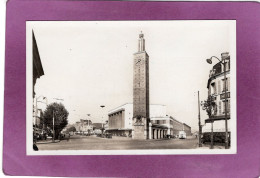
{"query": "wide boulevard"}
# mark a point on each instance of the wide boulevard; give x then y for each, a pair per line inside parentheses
(79, 142)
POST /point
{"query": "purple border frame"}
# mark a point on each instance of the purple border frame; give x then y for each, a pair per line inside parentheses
(243, 164)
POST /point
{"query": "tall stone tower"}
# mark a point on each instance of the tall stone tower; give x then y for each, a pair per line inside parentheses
(141, 92)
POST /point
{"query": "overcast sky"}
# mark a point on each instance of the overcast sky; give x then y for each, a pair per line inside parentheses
(88, 64)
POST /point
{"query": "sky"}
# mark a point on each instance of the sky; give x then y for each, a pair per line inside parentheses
(90, 63)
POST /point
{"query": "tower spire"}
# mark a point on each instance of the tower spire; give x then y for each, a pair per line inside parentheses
(141, 42)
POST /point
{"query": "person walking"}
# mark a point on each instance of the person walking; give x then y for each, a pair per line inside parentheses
(35, 148)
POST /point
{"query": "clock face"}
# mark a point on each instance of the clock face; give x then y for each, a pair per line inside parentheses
(138, 62)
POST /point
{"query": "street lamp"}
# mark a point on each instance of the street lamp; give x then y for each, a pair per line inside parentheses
(225, 90)
(88, 123)
(200, 145)
(102, 106)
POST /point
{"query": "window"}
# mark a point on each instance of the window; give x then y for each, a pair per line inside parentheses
(219, 87)
(162, 121)
(213, 88)
(227, 65)
(228, 107)
(227, 84)
(219, 107)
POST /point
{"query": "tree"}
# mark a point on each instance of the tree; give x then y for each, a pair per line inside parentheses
(71, 129)
(210, 106)
(60, 114)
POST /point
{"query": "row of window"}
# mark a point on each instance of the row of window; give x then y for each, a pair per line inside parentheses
(164, 122)
(219, 68)
(158, 121)
(217, 88)
(221, 107)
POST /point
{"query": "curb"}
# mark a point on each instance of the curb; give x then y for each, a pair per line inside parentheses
(56, 141)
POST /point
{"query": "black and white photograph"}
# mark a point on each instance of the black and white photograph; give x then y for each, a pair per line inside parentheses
(131, 87)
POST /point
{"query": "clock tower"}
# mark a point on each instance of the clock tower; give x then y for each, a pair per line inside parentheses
(141, 92)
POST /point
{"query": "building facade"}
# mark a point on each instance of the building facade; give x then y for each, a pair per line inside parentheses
(37, 64)
(216, 89)
(37, 73)
(120, 119)
(187, 129)
(120, 122)
(168, 125)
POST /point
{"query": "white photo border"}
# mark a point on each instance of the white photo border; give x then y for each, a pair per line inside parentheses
(29, 110)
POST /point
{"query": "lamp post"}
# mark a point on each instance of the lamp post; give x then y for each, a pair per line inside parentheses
(53, 136)
(88, 124)
(102, 106)
(223, 62)
(200, 145)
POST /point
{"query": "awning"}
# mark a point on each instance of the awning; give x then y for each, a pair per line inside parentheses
(216, 118)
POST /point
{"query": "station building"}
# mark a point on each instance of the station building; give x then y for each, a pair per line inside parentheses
(120, 122)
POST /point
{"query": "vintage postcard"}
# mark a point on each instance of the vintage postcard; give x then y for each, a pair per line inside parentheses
(131, 87)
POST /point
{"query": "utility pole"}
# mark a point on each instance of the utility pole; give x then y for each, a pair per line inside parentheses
(53, 137)
(212, 136)
(200, 145)
(225, 88)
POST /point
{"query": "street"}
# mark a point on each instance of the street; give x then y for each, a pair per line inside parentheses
(79, 142)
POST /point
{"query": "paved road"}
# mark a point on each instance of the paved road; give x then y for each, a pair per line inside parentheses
(78, 142)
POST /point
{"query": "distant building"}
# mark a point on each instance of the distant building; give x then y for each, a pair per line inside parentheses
(98, 127)
(77, 126)
(173, 126)
(39, 119)
(84, 126)
(187, 129)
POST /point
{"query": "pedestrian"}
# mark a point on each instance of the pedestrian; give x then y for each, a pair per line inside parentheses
(35, 148)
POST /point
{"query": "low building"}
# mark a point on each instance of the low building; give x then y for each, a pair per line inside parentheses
(39, 119)
(77, 126)
(120, 122)
(187, 129)
(120, 118)
(84, 126)
(168, 126)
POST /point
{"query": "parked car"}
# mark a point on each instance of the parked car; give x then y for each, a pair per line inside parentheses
(182, 135)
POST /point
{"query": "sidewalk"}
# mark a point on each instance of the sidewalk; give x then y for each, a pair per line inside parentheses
(208, 147)
(47, 141)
